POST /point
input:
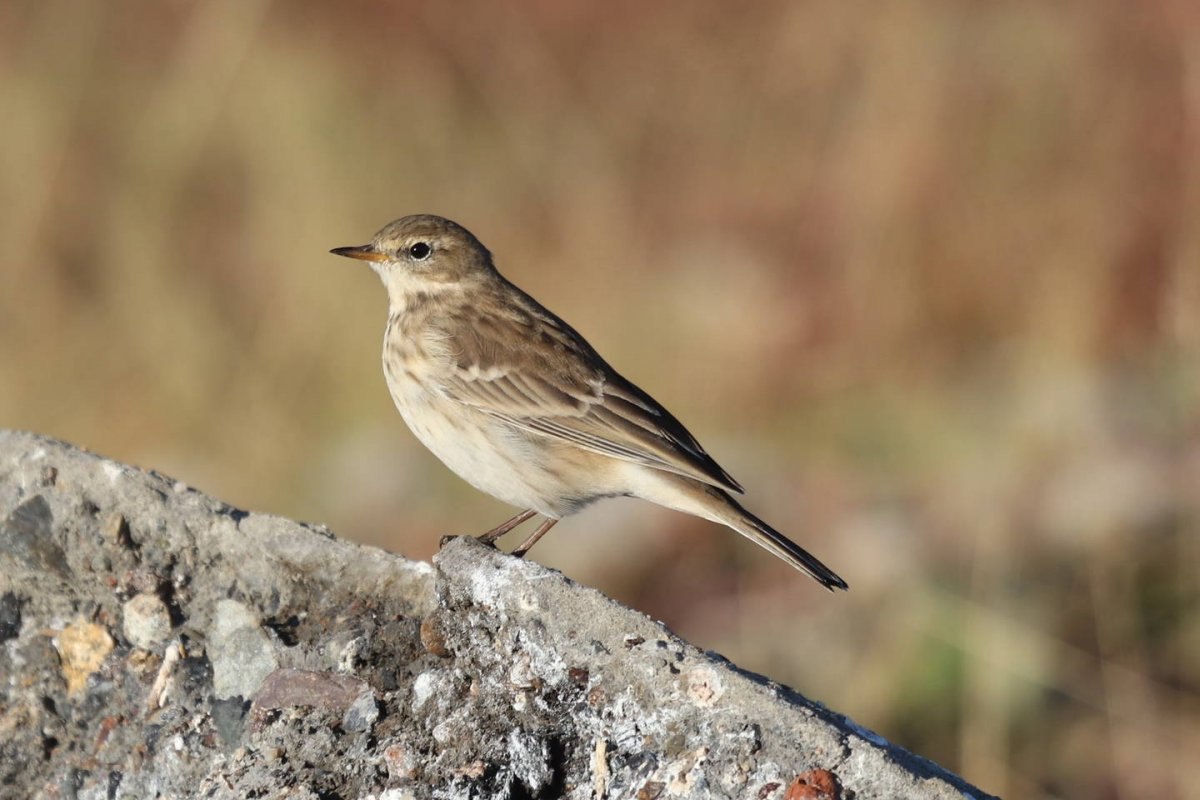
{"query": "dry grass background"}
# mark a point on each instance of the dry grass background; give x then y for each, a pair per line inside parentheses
(925, 276)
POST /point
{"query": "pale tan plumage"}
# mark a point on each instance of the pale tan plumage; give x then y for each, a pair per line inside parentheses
(517, 403)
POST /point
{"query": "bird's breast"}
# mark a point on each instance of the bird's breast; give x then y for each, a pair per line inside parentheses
(412, 354)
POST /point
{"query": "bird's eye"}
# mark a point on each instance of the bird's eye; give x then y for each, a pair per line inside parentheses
(420, 251)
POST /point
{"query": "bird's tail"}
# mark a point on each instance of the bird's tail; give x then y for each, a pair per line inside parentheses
(775, 542)
(691, 496)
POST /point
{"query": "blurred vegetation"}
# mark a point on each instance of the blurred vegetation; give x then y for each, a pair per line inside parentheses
(925, 276)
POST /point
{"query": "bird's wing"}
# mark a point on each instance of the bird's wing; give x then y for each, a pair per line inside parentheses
(529, 368)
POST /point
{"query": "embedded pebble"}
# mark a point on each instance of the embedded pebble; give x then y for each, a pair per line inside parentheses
(82, 647)
(147, 621)
(242, 654)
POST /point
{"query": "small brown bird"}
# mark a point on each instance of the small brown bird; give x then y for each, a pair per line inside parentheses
(520, 406)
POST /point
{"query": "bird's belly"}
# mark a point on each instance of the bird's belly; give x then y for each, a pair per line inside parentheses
(489, 454)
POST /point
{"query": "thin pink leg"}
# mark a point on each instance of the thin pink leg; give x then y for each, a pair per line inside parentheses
(506, 526)
(533, 537)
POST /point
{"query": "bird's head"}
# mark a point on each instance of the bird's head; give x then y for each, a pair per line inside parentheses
(422, 251)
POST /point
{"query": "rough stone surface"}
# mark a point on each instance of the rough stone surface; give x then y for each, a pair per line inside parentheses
(146, 621)
(296, 665)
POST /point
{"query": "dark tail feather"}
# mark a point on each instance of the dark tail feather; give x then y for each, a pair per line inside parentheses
(712, 503)
(775, 542)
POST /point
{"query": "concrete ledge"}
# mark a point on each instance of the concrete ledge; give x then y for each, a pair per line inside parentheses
(157, 642)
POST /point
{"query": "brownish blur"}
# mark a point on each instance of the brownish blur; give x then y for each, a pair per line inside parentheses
(925, 276)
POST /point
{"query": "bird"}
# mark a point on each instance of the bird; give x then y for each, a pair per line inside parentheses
(518, 404)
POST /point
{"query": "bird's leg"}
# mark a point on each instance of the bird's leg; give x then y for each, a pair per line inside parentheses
(504, 527)
(533, 537)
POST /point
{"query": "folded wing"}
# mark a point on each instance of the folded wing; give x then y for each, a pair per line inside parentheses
(532, 370)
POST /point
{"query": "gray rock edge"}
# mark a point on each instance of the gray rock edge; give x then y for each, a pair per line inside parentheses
(299, 665)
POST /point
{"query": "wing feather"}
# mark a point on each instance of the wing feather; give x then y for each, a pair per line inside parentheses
(530, 369)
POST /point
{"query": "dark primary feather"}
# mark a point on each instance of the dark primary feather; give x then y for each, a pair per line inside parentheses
(501, 356)
(783, 547)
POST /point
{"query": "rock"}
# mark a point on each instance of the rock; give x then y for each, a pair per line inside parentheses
(370, 676)
(228, 717)
(10, 616)
(242, 654)
(362, 713)
(82, 648)
(26, 539)
(340, 694)
(147, 621)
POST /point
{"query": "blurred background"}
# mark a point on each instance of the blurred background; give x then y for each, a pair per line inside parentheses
(924, 276)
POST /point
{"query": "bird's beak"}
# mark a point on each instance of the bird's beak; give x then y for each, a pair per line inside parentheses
(362, 252)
